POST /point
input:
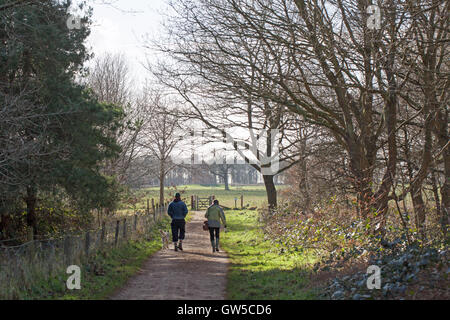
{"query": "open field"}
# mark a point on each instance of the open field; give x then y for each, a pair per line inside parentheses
(254, 195)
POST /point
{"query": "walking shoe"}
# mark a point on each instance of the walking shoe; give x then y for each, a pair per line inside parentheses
(180, 246)
(175, 247)
(213, 245)
(217, 244)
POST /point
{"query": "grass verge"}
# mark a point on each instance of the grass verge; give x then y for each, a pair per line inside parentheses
(258, 270)
(103, 273)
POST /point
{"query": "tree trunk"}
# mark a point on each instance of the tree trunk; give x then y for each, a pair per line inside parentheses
(30, 200)
(437, 201)
(361, 167)
(419, 210)
(443, 138)
(4, 226)
(365, 195)
(435, 188)
(303, 184)
(445, 190)
(225, 180)
(271, 191)
(161, 184)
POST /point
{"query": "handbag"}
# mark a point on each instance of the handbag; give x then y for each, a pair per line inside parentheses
(205, 225)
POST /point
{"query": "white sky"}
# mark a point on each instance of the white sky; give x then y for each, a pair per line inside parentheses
(122, 28)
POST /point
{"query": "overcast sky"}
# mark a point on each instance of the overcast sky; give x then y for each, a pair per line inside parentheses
(122, 27)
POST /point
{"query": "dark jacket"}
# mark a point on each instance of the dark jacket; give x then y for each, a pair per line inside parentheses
(177, 210)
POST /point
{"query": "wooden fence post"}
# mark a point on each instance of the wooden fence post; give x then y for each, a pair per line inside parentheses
(103, 234)
(30, 234)
(242, 201)
(135, 221)
(67, 250)
(153, 206)
(192, 202)
(148, 207)
(116, 237)
(87, 243)
(31, 250)
(125, 228)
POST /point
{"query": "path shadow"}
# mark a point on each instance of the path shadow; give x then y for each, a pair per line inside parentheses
(275, 284)
(209, 255)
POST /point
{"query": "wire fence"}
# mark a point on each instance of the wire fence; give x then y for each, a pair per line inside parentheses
(23, 265)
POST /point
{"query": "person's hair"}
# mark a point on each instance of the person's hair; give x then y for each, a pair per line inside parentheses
(216, 201)
(177, 196)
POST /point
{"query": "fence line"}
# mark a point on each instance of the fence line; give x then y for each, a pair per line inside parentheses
(198, 203)
(21, 266)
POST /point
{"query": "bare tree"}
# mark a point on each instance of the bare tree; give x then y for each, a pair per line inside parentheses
(109, 78)
(220, 170)
(323, 61)
(426, 72)
(159, 135)
(214, 86)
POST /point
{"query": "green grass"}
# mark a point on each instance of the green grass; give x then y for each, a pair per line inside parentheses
(116, 266)
(258, 270)
(254, 195)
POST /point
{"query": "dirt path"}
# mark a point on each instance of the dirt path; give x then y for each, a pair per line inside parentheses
(193, 274)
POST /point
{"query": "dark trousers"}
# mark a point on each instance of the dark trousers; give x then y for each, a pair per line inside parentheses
(214, 233)
(178, 229)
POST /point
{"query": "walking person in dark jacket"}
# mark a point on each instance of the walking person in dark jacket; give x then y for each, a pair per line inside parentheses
(215, 215)
(177, 211)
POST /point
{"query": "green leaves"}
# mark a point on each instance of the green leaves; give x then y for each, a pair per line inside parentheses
(67, 130)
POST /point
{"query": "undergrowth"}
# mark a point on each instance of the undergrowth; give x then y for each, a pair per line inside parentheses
(411, 266)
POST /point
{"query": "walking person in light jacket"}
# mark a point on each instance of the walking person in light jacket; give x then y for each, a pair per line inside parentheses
(215, 215)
